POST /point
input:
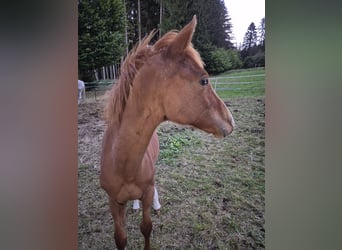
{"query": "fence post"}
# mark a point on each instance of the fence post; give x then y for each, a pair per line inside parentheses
(115, 72)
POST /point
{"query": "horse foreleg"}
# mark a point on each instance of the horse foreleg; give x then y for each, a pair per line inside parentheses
(146, 224)
(118, 213)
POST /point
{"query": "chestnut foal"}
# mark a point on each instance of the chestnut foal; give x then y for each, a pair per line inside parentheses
(166, 81)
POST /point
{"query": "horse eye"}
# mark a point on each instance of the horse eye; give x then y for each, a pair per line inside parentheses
(204, 81)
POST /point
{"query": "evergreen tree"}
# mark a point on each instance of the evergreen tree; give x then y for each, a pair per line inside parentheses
(149, 17)
(251, 37)
(213, 29)
(101, 27)
(261, 31)
(213, 35)
(213, 21)
(253, 52)
(176, 14)
(97, 39)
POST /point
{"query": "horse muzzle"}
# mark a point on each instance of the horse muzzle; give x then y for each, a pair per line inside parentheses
(226, 128)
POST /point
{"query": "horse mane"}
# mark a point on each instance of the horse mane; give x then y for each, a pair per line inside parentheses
(117, 97)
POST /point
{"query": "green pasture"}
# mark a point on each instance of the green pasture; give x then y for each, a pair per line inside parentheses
(240, 83)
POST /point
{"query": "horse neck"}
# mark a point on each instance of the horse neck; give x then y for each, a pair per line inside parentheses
(131, 139)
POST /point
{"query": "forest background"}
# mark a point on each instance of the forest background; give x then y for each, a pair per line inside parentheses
(108, 29)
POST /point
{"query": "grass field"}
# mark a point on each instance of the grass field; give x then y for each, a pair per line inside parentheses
(212, 191)
(240, 83)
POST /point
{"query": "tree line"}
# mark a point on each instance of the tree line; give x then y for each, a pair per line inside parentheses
(253, 47)
(108, 29)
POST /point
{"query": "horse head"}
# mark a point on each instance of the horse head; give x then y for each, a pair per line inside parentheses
(182, 86)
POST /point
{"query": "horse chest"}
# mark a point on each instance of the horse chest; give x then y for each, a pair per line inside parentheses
(129, 192)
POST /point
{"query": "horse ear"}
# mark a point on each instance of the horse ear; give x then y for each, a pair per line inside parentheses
(183, 38)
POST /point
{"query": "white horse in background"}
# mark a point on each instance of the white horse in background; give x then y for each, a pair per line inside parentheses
(81, 91)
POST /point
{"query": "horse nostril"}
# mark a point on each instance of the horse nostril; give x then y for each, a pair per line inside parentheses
(226, 132)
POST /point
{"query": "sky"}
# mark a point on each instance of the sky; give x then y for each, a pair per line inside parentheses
(242, 13)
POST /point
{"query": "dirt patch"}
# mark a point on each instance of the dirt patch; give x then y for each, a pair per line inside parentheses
(211, 191)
